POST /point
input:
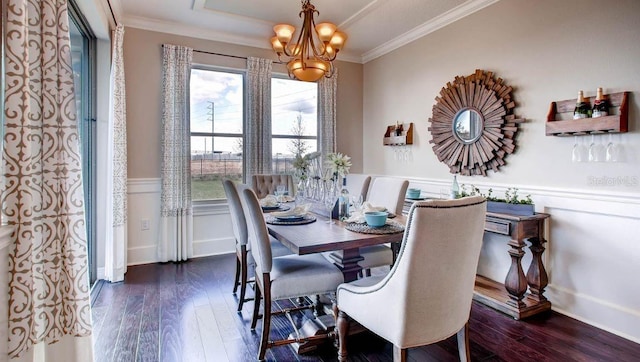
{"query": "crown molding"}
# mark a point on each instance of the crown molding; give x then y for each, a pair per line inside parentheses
(429, 27)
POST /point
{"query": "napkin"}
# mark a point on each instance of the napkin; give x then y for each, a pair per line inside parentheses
(269, 201)
(358, 216)
(285, 198)
(299, 210)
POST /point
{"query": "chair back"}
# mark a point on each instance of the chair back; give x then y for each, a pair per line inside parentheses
(358, 184)
(238, 221)
(260, 244)
(265, 184)
(434, 275)
(388, 192)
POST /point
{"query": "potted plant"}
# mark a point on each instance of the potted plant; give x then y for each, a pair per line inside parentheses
(510, 204)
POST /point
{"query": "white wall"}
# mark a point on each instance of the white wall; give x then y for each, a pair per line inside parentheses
(212, 231)
(547, 50)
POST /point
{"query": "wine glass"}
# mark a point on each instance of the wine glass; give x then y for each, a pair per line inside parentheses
(280, 190)
(578, 154)
(357, 203)
(596, 151)
(329, 201)
(613, 150)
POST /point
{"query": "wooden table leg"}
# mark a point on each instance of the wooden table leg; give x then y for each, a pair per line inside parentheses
(516, 282)
(347, 261)
(537, 275)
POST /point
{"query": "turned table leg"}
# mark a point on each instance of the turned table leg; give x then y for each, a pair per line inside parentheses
(537, 275)
(347, 261)
(516, 282)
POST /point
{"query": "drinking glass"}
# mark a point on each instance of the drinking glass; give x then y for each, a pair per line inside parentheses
(280, 189)
(596, 151)
(357, 203)
(329, 202)
(578, 154)
(613, 150)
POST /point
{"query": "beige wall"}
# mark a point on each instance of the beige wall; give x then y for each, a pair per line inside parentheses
(143, 61)
(547, 50)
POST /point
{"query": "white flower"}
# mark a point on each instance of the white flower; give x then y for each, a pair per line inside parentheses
(338, 164)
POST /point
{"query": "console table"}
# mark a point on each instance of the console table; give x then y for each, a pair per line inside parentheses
(512, 297)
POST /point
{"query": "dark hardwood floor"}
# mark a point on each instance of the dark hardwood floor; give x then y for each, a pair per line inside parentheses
(186, 312)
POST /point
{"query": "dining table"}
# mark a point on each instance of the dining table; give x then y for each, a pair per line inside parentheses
(343, 244)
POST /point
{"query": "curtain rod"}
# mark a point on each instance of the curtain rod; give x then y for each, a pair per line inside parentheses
(112, 14)
(226, 55)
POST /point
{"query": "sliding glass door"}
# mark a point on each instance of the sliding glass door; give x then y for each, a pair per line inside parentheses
(83, 53)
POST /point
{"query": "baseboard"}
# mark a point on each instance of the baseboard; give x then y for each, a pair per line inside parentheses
(608, 312)
(148, 254)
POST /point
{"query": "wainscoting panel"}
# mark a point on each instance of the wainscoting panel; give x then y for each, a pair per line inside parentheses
(212, 232)
(592, 256)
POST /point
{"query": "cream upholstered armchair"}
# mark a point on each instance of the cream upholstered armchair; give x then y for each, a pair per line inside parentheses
(426, 297)
(390, 193)
(265, 184)
(358, 184)
(239, 224)
(283, 277)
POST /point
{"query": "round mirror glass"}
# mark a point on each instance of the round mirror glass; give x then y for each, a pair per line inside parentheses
(467, 125)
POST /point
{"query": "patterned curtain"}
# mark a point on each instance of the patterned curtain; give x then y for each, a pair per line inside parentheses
(258, 129)
(49, 302)
(176, 217)
(327, 97)
(116, 180)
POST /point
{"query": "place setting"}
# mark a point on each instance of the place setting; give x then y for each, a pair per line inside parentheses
(369, 219)
(299, 215)
(270, 204)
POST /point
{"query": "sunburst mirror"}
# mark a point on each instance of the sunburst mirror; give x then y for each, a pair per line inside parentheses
(473, 126)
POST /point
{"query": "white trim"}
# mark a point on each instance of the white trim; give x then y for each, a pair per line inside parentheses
(210, 208)
(144, 185)
(100, 274)
(210, 247)
(427, 28)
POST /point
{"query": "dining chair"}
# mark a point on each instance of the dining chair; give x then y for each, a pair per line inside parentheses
(358, 184)
(390, 193)
(284, 277)
(239, 225)
(426, 297)
(265, 184)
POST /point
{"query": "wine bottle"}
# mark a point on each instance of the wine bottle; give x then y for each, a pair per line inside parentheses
(600, 106)
(344, 201)
(398, 129)
(455, 189)
(582, 109)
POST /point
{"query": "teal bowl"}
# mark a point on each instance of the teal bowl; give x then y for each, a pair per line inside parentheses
(375, 218)
(413, 193)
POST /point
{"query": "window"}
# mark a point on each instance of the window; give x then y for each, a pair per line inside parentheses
(294, 121)
(217, 113)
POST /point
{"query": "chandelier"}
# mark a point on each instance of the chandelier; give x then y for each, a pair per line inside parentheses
(311, 56)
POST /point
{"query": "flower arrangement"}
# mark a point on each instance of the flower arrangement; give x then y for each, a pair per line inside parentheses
(338, 164)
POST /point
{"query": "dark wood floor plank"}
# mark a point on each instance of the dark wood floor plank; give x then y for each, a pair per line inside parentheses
(186, 312)
(105, 341)
(149, 348)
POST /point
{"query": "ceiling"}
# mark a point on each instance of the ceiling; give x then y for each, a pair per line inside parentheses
(374, 27)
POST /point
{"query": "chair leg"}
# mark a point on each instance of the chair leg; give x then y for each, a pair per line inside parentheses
(266, 318)
(368, 272)
(236, 280)
(342, 325)
(256, 307)
(399, 354)
(243, 277)
(463, 343)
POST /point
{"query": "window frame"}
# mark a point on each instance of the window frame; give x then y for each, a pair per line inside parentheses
(204, 205)
(292, 137)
